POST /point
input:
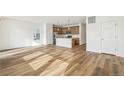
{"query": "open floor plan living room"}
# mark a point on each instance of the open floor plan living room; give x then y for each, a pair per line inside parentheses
(61, 46)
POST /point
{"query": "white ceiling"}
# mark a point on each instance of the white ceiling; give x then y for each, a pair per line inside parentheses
(57, 20)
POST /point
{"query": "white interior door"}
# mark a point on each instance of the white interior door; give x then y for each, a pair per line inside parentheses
(109, 38)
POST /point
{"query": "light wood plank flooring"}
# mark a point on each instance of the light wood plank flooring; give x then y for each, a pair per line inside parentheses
(59, 61)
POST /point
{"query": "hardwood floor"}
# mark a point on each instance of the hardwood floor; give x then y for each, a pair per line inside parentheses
(58, 61)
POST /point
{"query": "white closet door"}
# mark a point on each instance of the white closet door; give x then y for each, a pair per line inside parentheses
(109, 38)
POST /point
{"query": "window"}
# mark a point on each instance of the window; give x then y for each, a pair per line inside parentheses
(37, 34)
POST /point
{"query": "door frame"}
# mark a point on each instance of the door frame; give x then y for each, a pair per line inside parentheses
(116, 36)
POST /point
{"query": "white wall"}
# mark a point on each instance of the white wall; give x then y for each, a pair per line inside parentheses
(121, 38)
(47, 34)
(94, 38)
(49, 30)
(82, 33)
(15, 33)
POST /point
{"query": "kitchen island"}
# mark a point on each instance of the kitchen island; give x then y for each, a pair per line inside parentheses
(66, 42)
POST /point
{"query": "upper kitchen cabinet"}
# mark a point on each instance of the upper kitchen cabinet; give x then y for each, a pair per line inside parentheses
(74, 29)
(57, 29)
(66, 30)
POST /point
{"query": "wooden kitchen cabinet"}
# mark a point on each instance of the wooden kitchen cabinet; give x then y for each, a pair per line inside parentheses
(65, 30)
(74, 29)
(75, 42)
(57, 29)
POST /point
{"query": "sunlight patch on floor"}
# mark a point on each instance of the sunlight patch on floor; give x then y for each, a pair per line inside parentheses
(33, 55)
(40, 61)
(56, 68)
(67, 54)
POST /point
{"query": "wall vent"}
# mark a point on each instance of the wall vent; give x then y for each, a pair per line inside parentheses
(91, 20)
